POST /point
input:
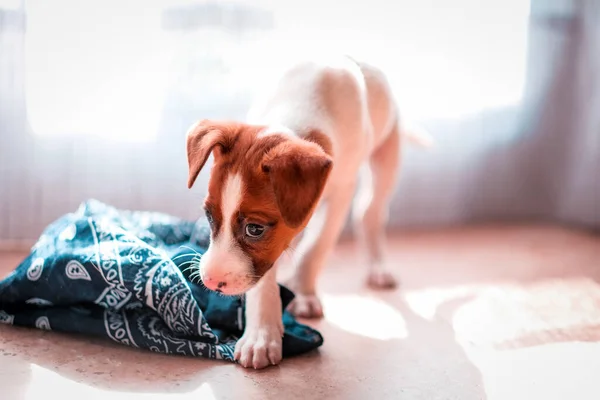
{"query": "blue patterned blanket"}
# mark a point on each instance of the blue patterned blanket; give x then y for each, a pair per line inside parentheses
(126, 276)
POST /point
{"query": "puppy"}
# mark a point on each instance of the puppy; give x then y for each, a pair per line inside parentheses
(324, 130)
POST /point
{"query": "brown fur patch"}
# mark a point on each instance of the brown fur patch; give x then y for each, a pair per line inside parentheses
(283, 178)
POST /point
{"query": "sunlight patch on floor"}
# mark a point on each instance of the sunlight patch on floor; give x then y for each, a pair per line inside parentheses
(426, 302)
(365, 316)
(42, 379)
(524, 315)
(555, 371)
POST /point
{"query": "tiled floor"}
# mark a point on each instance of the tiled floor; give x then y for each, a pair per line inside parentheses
(498, 313)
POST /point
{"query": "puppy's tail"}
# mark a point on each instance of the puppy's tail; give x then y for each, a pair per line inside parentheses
(417, 135)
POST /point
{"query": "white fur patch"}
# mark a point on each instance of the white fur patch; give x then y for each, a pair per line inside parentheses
(230, 200)
(261, 343)
(271, 129)
(225, 261)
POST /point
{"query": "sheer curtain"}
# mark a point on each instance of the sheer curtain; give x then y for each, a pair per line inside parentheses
(96, 96)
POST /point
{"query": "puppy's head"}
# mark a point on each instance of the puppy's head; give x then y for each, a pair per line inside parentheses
(262, 190)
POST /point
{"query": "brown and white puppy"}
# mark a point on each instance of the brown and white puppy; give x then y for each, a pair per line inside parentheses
(324, 130)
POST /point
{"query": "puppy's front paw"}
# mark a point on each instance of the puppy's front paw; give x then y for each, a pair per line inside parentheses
(306, 306)
(259, 347)
(381, 279)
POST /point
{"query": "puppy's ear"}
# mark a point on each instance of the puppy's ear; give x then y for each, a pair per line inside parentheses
(298, 171)
(202, 137)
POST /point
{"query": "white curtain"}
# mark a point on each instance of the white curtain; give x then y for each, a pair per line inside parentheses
(96, 96)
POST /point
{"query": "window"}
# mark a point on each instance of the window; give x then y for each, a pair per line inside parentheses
(96, 67)
(112, 67)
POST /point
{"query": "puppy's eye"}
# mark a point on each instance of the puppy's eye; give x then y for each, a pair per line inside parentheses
(254, 230)
(209, 217)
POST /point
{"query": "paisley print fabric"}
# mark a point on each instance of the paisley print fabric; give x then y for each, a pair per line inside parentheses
(129, 276)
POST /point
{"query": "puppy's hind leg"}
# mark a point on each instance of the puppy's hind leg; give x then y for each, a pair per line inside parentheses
(371, 207)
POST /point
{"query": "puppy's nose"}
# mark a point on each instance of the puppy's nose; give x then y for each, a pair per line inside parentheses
(214, 284)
